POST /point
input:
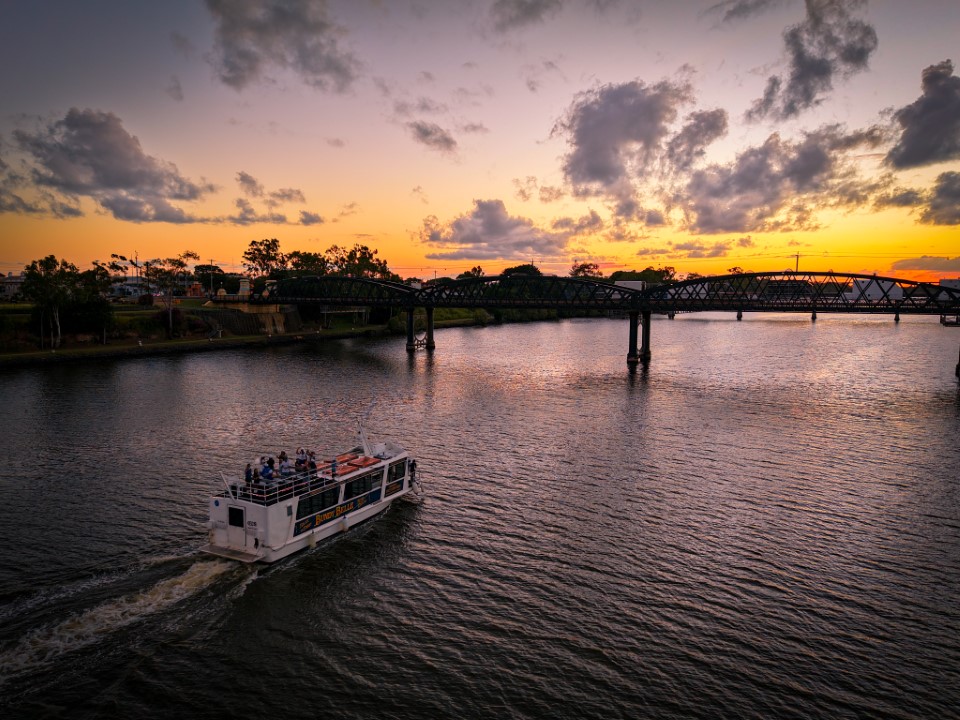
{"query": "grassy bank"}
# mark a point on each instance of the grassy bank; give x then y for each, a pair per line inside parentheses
(92, 348)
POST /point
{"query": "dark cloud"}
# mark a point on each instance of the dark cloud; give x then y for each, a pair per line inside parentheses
(590, 223)
(615, 130)
(930, 125)
(248, 216)
(249, 184)
(690, 143)
(336, 143)
(550, 193)
(433, 136)
(251, 36)
(651, 251)
(654, 218)
(900, 197)
(733, 10)
(419, 192)
(695, 249)
(829, 43)
(174, 90)
(525, 188)
(489, 233)
(11, 202)
(779, 184)
(512, 14)
(10, 199)
(474, 128)
(90, 154)
(422, 105)
(285, 195)
(309, 218)
(254, 188)
(928, 263)
(528, 187)
(534, 74)
(183, 45)
(943, 204)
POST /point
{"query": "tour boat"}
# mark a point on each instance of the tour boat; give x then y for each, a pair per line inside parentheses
(266, 521)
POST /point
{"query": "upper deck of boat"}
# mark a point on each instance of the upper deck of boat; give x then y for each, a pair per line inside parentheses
(342, 469)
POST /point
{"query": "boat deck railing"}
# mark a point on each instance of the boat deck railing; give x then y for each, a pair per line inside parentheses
(284, 488)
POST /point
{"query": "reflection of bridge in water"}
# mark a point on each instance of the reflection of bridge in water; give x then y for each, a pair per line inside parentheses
(810, 293)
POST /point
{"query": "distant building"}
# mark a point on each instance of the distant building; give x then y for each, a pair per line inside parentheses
(952, 284)
(874, 289)
(10, 287)
(129, 287)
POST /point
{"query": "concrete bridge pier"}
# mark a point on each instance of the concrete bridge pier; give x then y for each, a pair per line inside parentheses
(427, 342)
(645, 337)
(633, 357)
(642, 355)
(411, 340)
(430, 343)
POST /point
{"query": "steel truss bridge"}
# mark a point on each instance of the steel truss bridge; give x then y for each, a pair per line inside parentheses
(809, 292)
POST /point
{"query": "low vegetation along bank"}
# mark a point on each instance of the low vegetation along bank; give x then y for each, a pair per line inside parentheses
(136, 331)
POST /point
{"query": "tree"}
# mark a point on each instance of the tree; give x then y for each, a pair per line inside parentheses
(527, 269)
(207, 275)
(167, 276)
(263, 257)
(735, 270)
(586, 270)
(358, 261)
(121, 265)
(310, 263)
(50, 283)
(474, 272)
(649, 274)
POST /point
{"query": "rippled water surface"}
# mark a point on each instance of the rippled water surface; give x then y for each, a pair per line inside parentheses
(765, 523)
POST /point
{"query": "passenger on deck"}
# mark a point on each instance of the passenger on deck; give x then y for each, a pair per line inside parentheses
(286, 468)
(248, 473)
(312, 462)
(301, 456)
(282, 456)
(266, 472)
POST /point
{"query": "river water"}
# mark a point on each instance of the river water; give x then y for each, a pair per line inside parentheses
(765, 523)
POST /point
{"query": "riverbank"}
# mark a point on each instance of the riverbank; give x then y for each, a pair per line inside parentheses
(146, 348)
(178, 346)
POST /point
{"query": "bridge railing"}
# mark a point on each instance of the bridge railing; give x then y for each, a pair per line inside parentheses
(771, 292)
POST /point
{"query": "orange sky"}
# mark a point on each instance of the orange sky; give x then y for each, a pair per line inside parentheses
(453, 134)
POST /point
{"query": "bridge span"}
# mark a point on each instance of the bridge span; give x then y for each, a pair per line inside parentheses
(808, 292)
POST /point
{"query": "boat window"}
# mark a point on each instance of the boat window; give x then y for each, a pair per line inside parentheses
(235, 516)
(312, 504)
(361, 486)
(397, 471)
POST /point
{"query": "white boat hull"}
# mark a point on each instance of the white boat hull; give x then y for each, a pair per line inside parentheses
(254, 523)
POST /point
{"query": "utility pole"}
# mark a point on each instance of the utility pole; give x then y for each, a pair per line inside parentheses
(798, 263)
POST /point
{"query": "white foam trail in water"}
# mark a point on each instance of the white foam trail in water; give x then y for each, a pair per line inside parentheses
(45, 644)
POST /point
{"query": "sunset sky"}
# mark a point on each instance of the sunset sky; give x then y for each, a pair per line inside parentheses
(453, 133)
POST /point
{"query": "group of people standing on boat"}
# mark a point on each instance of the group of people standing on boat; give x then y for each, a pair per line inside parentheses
(272, 469)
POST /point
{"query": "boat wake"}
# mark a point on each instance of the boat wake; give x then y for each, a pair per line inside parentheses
(43, 645)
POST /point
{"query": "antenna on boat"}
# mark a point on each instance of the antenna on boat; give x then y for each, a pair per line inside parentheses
(364, 443)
